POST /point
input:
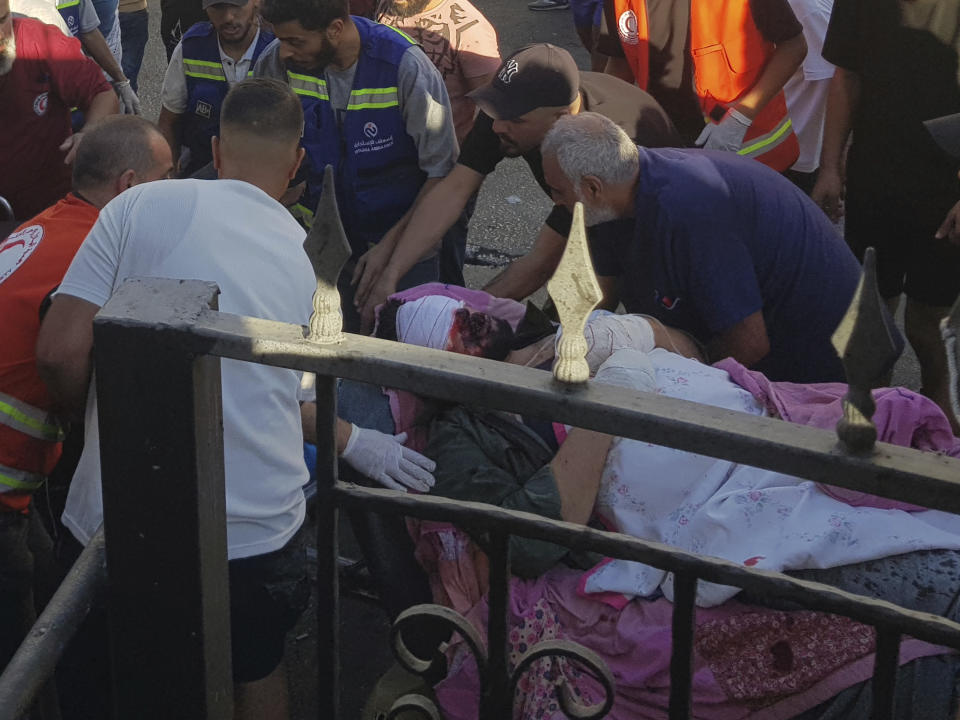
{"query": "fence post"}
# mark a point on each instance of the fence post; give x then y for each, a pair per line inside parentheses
(161, 450)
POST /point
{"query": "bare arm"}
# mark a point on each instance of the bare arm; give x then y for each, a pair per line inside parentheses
(433, 215)
(843, 98)
(746, 342)
(98, 49)
(64, 353)
(784, 62)
(371, 263)
(169, 124)
(526, 275)
(308, 417)
(577, 468)
(103, 104)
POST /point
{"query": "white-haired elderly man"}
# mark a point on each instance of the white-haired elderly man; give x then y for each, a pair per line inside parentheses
(722, 247)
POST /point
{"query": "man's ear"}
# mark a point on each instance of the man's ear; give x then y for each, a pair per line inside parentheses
(591, 186)
(296, 166)
(215, 147)
(334, 30)
(127, 179)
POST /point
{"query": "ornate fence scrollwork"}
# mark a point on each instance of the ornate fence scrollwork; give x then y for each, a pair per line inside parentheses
(865, 342)
(453, 621)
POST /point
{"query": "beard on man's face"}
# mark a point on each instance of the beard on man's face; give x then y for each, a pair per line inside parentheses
(595, 214)
(8, 55)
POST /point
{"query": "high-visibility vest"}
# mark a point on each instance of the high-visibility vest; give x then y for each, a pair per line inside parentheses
(375, 162)
(729, 54)
(33, 261)
(207, 87)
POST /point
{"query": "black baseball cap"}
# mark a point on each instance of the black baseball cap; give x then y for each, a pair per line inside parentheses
(946, 132)
(535, 76)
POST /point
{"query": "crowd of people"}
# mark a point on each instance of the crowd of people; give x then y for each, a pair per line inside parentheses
(714, 146)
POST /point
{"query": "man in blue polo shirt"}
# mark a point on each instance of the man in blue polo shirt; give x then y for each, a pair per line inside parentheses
(722, 247)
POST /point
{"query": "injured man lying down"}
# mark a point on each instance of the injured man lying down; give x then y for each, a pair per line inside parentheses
(751, 661)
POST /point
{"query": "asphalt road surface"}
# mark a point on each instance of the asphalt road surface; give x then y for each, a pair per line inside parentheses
(509, 213)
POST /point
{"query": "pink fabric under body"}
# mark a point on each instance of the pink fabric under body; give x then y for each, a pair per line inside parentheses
(903, 418)
(783, 678)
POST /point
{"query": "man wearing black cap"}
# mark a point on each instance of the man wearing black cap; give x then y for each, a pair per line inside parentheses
(210, 58)
(532, 88)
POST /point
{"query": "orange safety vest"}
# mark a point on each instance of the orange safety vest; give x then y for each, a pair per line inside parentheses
(729, 54)
(33, 261)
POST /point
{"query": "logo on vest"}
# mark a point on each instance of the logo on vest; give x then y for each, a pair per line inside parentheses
(371, 130)
(508, 71)
(15, 250)
(628, 27)
(72, 24)
(40, 104)
(203, 109)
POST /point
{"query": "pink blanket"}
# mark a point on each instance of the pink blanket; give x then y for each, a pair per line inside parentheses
(748, 662)
(903, 418)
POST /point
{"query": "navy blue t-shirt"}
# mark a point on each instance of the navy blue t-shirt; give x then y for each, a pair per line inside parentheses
(717, 238)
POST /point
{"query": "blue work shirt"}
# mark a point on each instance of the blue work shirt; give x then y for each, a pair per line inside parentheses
(717, 238)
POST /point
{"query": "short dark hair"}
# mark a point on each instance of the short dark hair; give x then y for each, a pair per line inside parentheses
(387, 319)
(264, 107)
(112, 146)
(311, 14)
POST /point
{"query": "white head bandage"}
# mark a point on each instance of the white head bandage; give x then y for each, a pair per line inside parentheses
(427, 321)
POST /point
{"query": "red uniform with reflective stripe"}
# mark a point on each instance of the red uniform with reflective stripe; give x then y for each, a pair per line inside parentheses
(729, 55)
(33, 261)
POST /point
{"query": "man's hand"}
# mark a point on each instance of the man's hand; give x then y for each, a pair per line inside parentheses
(727, 135)
(368, 270)
(378, 294)
(129, 102)
(950, 229)
(828, 193)
(69, 146)
(383, 458)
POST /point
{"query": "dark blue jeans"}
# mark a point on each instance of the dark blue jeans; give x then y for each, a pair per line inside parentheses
(133, 38)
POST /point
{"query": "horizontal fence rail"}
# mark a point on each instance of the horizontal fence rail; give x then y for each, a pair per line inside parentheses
(890, 471)
(34, 663)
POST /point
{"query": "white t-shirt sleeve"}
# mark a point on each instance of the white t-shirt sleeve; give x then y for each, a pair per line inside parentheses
(93, 272)
(173, 95)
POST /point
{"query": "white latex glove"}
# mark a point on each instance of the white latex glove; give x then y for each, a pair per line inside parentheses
(383, 458)
(727, 134)
(606, 333)
(630, 369)
(129, 102)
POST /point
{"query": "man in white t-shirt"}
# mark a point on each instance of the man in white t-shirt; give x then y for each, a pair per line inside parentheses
(232, 231)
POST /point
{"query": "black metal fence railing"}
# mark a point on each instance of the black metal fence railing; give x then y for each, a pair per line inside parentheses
(158, 348)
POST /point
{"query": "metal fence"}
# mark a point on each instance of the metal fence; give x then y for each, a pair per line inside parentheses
(158, 345)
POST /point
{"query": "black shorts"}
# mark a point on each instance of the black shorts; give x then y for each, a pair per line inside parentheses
(268, 593)
(909, 259)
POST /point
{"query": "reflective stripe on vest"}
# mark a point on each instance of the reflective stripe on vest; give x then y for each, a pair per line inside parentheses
(13, 480)
(204, 69)
(27, 419)
(308, 85)
(765, 143)
(366, 98)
